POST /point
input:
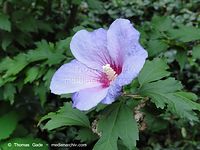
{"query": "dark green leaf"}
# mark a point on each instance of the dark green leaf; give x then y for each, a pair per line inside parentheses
(5, 22)
(117, 122)
(196, 52)
(86, 135)
(8, 123)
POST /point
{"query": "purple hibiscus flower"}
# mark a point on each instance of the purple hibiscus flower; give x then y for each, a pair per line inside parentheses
(105, 60)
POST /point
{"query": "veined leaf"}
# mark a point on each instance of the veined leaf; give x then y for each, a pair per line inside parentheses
(167, 93)
(152, 71)
(185, 33)
(64, 117)
(117, 122)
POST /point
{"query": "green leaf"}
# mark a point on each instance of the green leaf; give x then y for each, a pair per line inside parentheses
(127, 127)
(9, 92)
(6, 41)
(196, 52)
(152, 71)
(86, 135)
(183, 105)
(8, 123)
(161, 23)
(155, 123)
(30, 143)
(117, 122)
(181, 57)
(185, 33)
(41, 91)
(46, 51)
(156, 46)
(167, 93)
(5, 22)
(97, 5)
(158, 90)
(66, 116)
(15, 65)
(31, 75)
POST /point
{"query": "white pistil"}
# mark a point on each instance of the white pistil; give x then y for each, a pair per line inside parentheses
(108, 70)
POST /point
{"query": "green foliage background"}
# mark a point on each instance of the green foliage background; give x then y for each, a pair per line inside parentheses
(34, 42)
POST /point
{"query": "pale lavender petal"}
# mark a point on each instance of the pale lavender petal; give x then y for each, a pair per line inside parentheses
(122, 40)
(89, 98)
(90, 48)
(72, 77)
(131, 68)
(113, 92)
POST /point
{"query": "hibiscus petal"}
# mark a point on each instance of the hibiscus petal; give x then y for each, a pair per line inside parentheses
(88, 98)
(113, 92)
(72, 77)
(131, 68)
(90, 48)
(122, 40)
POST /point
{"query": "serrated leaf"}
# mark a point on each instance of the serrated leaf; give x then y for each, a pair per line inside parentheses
(64, 117)
(9, 92)
(16, 65)
(8, 123)
(127, 127)
(29, 141)
(41, 91)
(158, 90)
(196, 52)
(167, 93)
(161, 23)
(86, 135)
(31, 75)
(117, 122)
(152, 71)
(185, 33)
(5, 22)
(156, 46)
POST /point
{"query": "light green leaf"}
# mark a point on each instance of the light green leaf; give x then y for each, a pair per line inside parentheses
(158, 90)
(185, 33)
(16, 65)
(66, 116)
(95, 4)
(8, 123)
(156, 46)
(196, 52)
(31, 75)
(161, 23)
(5, 22)
(152, 71)
(167, 93)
